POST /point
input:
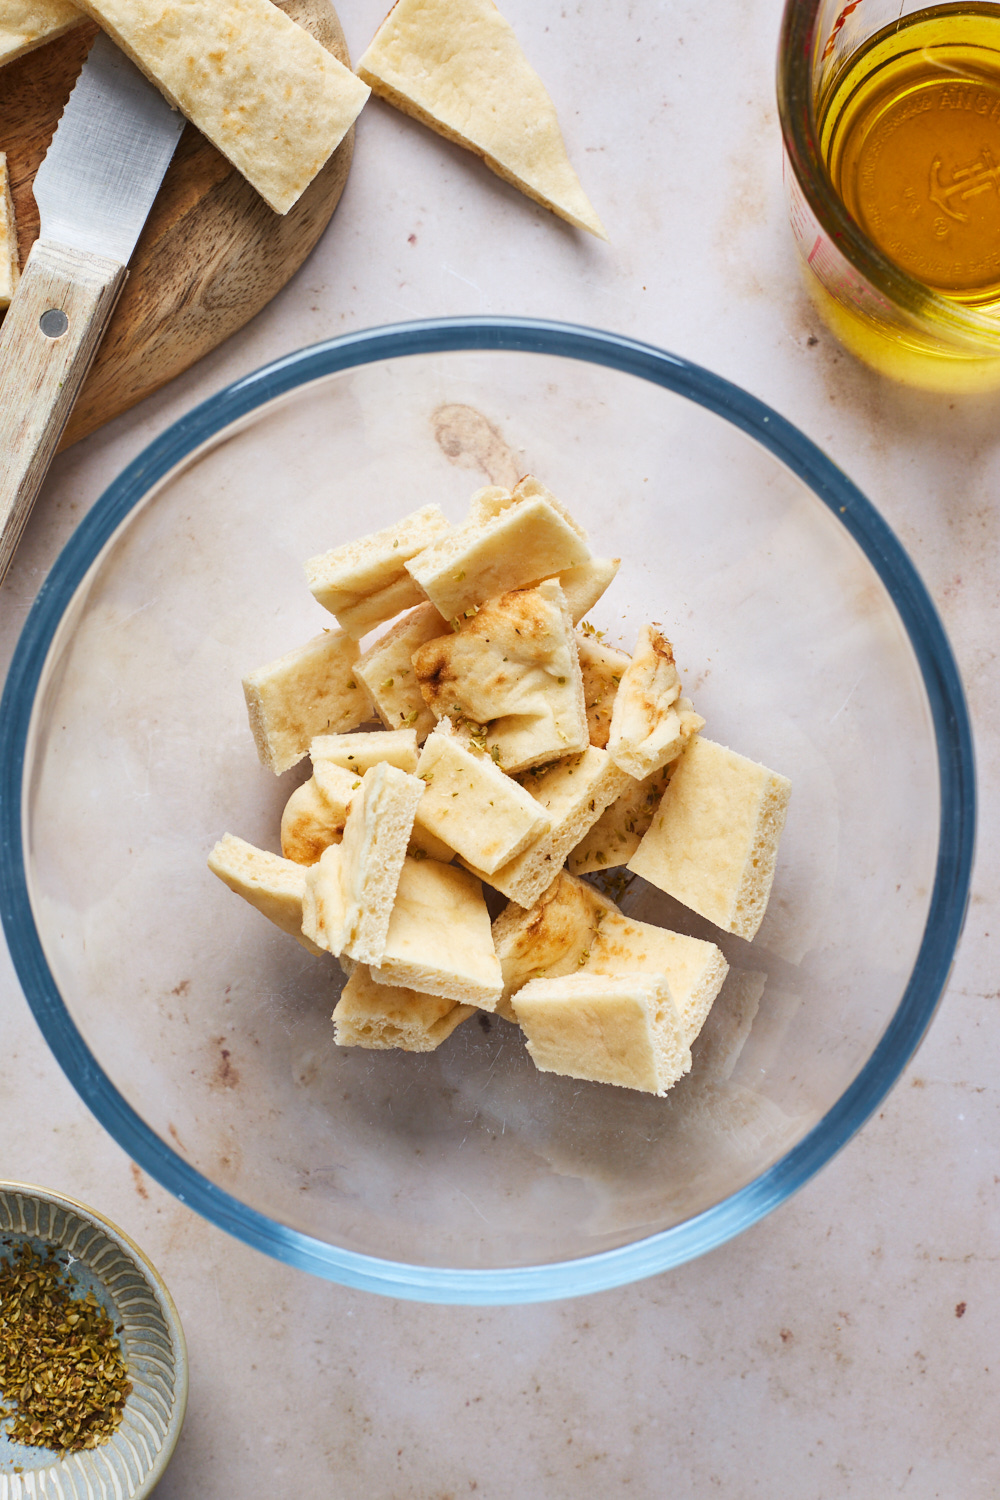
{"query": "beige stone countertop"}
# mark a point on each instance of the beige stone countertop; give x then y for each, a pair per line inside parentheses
(847, 1345)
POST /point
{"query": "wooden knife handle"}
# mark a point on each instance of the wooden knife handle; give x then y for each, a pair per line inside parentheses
(47, 341)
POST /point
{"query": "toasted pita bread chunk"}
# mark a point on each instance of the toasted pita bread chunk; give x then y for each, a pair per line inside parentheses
(530, 488)
(650, 722)
(365, 582)
(551, 938)
(316, 813)
(25, 24)
(306, 692)
(713, 843)
(10, 267)
(487, 503)
(359, 752)
(603, 669)
(618, 832)
(514, 668)
(521, 545)
(694, 968)
(267, 95)
(353, 887)
(583, 586)
(382, 1016)
(478, 811)
(386, 669)
(439, 940)
(275, 886)
(456, 66)
(621, 1029)
(573, 792)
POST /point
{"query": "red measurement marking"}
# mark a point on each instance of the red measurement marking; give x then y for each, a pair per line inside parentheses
(837, 27)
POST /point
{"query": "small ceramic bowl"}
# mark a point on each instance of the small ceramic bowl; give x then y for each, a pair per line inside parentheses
(105, 1261)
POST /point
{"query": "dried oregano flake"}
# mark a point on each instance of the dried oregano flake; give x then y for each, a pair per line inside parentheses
(63, 1380)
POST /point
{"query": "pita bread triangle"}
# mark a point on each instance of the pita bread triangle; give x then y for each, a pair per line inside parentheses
(457, 66)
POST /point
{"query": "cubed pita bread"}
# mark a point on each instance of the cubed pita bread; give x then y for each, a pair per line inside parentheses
(360, 751)
(365, 582)
(694, 968)
(520, 545)
(382, 1016)
(267, 95)
(573, 792)
(309, 691)
(386, 669)
(439, 940)
(713, 843)
(603, 668)
(354, 884)
(584, 585)
(621, 1029)
(25, 24)
(514, 668)
(551, 938)
(481, 813)
(618, 832)
(316, 813)
(456, 66)
(650, 721)
(275, 886)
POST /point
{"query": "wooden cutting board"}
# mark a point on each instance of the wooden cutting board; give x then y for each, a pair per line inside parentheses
(212, 253)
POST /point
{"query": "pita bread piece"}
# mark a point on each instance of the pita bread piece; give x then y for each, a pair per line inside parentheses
(603, 669)
(481, 813)
(25, 24)
(275, 886)
(513, 667)
(573, 792)
(315, 815)
(353, 887)
(549, 939)
(306, 692)
(439, 940)
(359, 752)
(620, 1029)
(523, 544)
(713, 843)
(618, 832)
(365, 582)
(650, 721)
(456, 66)
(264, 92)
(694, 968)
(386, 669)
(382, 1016)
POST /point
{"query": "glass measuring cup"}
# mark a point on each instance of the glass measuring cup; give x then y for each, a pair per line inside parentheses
(896, 270)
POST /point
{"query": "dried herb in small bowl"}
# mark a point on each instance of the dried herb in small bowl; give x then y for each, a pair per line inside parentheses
(61, 1367)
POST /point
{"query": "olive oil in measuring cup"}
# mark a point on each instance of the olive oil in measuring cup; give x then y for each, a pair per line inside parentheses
(890, 119)
(909, 131)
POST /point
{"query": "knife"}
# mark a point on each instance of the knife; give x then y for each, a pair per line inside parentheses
(94, 190)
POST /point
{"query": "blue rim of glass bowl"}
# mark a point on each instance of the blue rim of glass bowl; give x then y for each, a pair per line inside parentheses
(657, 1252)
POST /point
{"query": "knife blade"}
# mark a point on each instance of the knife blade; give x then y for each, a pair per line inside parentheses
(94, 191)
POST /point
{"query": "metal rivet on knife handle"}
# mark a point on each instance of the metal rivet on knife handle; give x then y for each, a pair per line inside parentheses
(53, 323)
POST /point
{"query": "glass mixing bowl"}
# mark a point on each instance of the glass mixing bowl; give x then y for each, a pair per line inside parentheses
(200, 1035)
